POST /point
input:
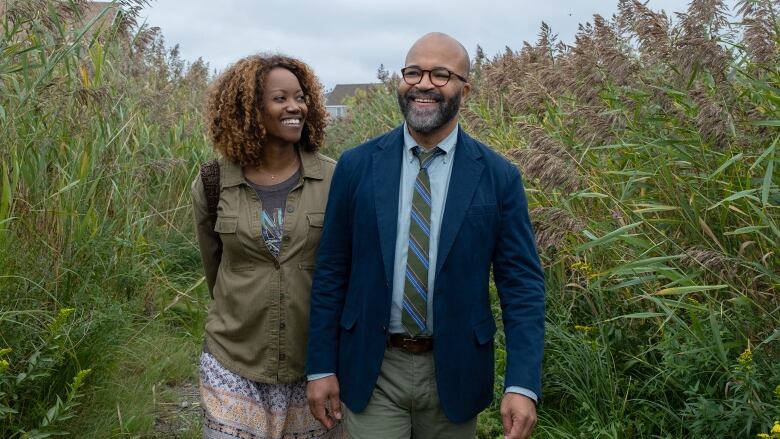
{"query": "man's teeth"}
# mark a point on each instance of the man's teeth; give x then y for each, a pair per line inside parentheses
(425, 101)
(291, 122)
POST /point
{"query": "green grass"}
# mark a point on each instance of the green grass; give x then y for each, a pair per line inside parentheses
(148, 386)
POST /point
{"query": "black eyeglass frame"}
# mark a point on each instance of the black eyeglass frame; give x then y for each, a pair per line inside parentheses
(430, 75)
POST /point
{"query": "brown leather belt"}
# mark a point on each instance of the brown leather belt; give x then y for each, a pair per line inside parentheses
(416, 345)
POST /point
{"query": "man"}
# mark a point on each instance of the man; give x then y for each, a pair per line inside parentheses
(401, 328)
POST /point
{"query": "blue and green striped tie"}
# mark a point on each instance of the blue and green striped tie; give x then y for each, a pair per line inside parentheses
(415, 302)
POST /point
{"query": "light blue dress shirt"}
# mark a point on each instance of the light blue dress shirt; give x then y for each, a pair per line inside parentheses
(439, 172)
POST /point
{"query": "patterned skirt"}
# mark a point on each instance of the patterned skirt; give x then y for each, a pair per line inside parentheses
(235, 407)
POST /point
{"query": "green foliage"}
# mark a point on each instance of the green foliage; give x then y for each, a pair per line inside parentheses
(648, 150)
(101, 135)
(370, 114)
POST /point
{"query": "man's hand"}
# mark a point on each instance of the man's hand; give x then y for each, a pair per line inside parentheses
(518, 413)
(324, 403)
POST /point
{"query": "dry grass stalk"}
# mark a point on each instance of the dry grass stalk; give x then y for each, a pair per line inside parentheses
(548, 170)
(713, 121)
(759, 18)
(697, 47)
(652, 30)
(553, 226)
(27, 13)
(546, 160)
(709, 260)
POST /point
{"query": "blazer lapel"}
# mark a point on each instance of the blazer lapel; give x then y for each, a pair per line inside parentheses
(387, 180)
(466, 172)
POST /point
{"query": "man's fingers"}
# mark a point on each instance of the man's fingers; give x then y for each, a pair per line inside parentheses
(506, 419)
(335, 406)
(318, 410)
(528, 427)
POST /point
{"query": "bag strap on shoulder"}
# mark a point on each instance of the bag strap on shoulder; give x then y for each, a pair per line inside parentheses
(209, 175)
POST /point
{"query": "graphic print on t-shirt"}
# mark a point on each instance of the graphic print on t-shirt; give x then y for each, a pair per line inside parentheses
(273, 227)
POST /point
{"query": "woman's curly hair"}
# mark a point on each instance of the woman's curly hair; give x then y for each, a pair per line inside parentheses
(234, 107)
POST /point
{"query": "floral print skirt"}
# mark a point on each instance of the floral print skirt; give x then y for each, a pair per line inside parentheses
(235, 407)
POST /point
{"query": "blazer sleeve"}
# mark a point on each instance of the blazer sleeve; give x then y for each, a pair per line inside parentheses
(208, 239)
(519, 279)
(331, 275)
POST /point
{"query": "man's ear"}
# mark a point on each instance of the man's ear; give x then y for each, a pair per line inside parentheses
(466, 92)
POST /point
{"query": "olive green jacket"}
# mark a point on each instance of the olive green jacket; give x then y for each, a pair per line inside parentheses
(258, 319)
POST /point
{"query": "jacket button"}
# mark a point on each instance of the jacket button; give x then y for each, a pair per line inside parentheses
(281, 357)
(276, 264)
(290, 209)
(282, 325)
(286, 238)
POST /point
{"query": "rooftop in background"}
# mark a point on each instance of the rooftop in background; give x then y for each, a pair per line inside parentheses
(343, 91)
(334, 101)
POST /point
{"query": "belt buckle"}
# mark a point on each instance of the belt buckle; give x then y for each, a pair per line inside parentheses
(411, 340)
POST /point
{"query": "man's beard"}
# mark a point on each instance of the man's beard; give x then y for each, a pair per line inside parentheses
(428, 121)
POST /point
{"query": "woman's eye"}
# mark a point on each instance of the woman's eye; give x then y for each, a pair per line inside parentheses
(301, 98)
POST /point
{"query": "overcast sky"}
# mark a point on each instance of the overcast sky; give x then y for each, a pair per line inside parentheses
(345, 41)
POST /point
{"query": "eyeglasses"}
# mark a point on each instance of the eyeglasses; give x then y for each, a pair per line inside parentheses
(439, 76)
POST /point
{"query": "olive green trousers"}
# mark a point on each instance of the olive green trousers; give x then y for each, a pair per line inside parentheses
(405, 403)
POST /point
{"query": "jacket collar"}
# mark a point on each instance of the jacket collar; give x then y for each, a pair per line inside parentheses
(232, 175)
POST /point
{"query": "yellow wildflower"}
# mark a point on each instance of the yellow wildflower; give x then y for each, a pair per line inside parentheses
(776, 427)
(78, 380)
(745, 358)
(777, 391)
(4, 365)
(583, 328)
(59, 321)
(693, 301)
(763, 436)
(7, 351)
(582, 266)
(64, 313)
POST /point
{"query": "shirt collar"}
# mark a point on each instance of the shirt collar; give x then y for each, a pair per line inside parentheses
(232, 175)
(447, 144)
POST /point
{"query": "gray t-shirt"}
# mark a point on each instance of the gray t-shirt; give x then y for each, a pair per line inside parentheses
(273, 198)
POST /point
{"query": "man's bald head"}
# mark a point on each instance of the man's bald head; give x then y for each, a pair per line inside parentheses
(443, 44)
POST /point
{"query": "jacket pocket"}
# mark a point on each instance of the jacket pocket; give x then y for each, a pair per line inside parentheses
(313, 235)
(485, 330)
(481, 209)
(232, 249)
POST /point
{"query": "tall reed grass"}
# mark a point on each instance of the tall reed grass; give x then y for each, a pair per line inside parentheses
(649, 150)
(100, 136)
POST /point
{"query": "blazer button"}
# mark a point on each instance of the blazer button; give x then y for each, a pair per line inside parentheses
(281, 357)
(286, 238)
(290, 209)
(276, 264)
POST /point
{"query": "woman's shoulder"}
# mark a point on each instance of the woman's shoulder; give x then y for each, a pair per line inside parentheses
(326, 161)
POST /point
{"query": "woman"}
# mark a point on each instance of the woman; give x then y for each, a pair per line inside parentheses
(266, 118)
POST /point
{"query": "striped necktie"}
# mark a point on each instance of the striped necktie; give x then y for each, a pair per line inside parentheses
(415, 301)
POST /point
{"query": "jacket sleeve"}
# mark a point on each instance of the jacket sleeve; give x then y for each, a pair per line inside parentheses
(208, 239)
(331, 276)
(519, 279)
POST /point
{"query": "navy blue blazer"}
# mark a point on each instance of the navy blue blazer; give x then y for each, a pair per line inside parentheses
(485, 222)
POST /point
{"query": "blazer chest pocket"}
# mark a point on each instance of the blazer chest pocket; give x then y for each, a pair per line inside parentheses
(481, 209)
(233, 251)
